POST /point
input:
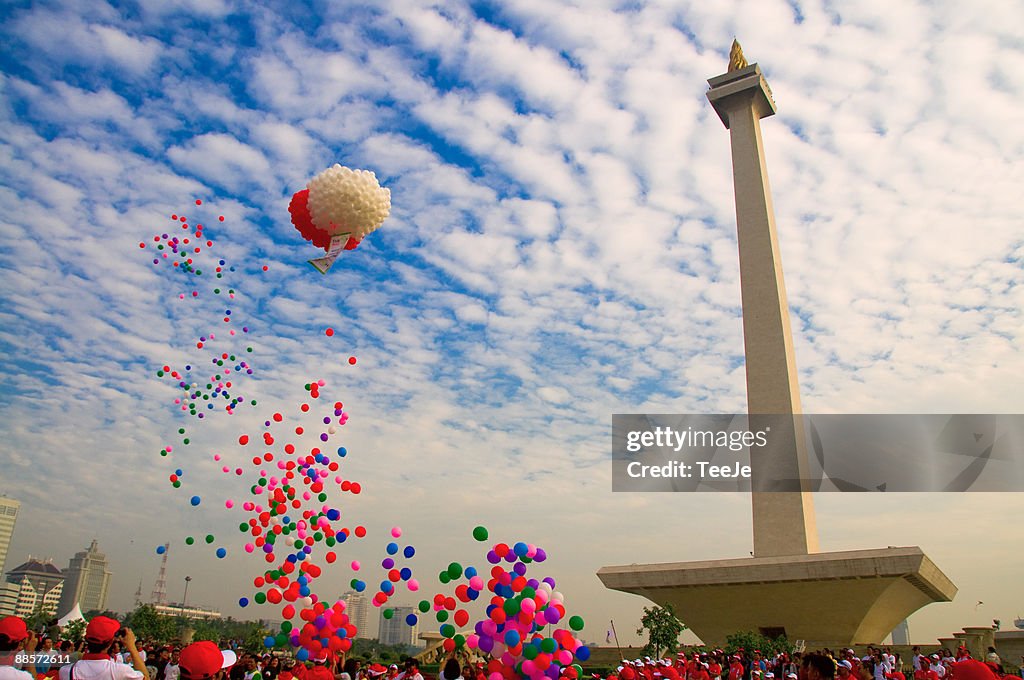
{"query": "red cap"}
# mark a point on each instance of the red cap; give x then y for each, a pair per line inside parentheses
(970, 669)
(570, 672)
(203, 659)
(101, 629)
(13, 628)
(627, 674)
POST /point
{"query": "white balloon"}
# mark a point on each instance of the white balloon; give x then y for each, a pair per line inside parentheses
(345, 200)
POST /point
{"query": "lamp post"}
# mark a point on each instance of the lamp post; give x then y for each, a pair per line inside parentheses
(184, 598)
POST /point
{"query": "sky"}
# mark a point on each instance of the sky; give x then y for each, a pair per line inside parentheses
(561, 247)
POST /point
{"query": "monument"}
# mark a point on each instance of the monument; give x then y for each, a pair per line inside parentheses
(787, 587)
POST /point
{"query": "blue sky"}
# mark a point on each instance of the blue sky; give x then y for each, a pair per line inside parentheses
(561, 247)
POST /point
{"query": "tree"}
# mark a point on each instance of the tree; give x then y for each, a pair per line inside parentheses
(663, 630)
(148, 625)
(750, 641)
(74, 631)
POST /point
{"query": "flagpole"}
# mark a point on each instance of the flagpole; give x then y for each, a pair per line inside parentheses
(616, 635)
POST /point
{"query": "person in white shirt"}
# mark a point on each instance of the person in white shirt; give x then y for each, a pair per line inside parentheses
(98, 664)
(171, 670)
(15, 638)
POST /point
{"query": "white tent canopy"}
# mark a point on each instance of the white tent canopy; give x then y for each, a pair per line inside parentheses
(74, 615)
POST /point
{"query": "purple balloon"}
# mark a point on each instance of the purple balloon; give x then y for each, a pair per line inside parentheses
(519, 568)
(550, 581)
(540, 556)
(486, 644)
(551, 615)
(388, 563)
(492, 557)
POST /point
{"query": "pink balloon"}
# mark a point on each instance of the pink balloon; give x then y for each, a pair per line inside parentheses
(396, 532)
(229, 504)
(355, 565)
(476, 583)
(414, 585)
(472, 640)
(249, 547)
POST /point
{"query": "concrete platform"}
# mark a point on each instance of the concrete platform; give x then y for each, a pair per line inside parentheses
(826, 599)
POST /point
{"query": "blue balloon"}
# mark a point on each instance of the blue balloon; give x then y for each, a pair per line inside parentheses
(409, 551)
(360, 586)
(392, 548)
(243, 602)
(221, 552)
(342, 451)
(520, 549)
(405, 574)
(302, 654)
(269, 641)
(411, 619)
(160, 550)
(195, 500)
(511, 638)
(470, 572)
(179, 472)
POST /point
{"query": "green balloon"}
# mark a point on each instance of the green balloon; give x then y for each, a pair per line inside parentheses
(548, 645)
(388, 613)
(511, 607)
(460, 640)
(480, 533)
(454, 570)
(286, 627)
(424, 606)
(442, 616)
(447, 630)
(576, 622)
(189, 540)
(443, 577)
(260, 598)
(530, 651)
(210, 538)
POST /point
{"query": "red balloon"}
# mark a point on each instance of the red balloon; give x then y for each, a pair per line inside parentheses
(461, 618)
(303, 222)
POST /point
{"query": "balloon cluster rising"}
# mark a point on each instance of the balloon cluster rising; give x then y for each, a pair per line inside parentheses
(340, 201)
(290, 521)
(199, 391)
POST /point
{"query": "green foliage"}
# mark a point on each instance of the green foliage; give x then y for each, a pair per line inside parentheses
(663, 629)
(74, 631)
(148, 625)
(386, 654)
(37, 619)
(750, 641)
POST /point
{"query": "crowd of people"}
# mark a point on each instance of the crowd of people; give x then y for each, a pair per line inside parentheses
(846, 664)
(112, 652)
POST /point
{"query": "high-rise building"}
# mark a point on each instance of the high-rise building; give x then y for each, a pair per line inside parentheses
(8, 515)
(396, 630)
(87, 581)
(355, 607)
(34, 585)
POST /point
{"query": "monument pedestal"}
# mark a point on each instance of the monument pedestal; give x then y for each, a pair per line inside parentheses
(827, 599)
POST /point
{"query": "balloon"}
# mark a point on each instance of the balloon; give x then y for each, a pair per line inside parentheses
(480, 533)
(341, 200)
(299, 210)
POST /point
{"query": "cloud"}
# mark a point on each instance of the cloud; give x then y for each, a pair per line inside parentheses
(561, 246)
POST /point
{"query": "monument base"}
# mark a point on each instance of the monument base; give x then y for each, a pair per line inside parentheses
(826, 599)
